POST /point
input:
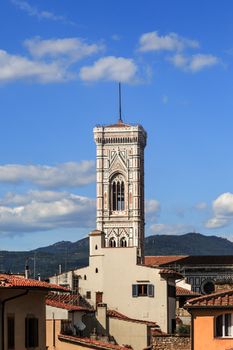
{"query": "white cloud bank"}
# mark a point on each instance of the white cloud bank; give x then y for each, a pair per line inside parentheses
(44, 210)
(70, 174)
(72, 48)
(110, 68)
(152, 41)
(222, 210)
(13, 67)
(193, 63)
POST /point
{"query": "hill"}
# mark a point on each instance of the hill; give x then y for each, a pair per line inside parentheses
(73, 255)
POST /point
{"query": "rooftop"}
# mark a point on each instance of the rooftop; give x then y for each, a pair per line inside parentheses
(71, 302)
(14, 281)
(214, 300)
(189, 260)
(119, 316)
(185, 292)
(160, 259)
(97, 344)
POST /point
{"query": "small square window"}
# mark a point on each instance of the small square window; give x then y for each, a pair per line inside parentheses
(88, 294)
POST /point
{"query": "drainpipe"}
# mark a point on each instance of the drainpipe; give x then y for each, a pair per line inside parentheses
(2, 311)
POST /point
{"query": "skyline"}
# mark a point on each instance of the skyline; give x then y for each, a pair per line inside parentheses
(60, 65)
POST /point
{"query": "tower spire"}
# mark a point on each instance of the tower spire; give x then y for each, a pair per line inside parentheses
(120, 116)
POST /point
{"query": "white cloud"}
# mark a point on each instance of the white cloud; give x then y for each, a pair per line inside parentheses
(110, 68)
(152, 206)
(73, 48)
(46, 210)
(13, 67)
(222, 210)
(70, 174)
(193, 63)
(152, 41)
(169, 229)
(33, 11)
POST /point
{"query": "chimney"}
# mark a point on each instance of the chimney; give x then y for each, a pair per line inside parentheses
(101, 316)
(38, 277)
(26, 271)
(59, 269)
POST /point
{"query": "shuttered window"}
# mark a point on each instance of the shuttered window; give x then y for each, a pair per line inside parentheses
(142, 290)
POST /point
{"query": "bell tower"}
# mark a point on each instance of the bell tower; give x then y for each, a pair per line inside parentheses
(120, 184)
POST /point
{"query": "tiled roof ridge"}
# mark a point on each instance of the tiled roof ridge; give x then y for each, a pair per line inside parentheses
(183, 290)
(211, 296)
(14, 281)
(95, 343)
(66, 306)
(117, 314)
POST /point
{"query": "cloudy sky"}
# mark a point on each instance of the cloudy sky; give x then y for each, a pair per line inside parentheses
(60, 62)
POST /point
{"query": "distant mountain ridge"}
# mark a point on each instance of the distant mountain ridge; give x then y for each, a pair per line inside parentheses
(72, 255)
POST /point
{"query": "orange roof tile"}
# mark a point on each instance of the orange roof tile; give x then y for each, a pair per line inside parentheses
(65, 306)
(91, 342)
(172, 273)
(221, 299)
(14, 281)
(116, 314)
(71, 302)
(185, 292)
(160, 260)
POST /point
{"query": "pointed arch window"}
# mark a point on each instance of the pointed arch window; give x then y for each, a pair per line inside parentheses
(123, 242)
(112, 242)
(118, 193)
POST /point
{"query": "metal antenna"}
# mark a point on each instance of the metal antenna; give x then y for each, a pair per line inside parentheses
(120, 117)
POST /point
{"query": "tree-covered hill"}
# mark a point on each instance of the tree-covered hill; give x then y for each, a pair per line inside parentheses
(73, 255)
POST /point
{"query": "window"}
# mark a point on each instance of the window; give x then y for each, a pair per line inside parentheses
(208, 287)
(224, 325)
(10, 332)
(31, 332)
(142, 290)
(96, 247)
(85, 277)
(96, 270)
(118, 193)
(88, 294)
(123, 242)
(112, 242)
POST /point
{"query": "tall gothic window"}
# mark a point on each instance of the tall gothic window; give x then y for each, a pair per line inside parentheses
(123, 242)
(112, 242)
(118, 193)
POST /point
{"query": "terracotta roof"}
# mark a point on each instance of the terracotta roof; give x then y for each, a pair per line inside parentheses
(118, 315)
(185, 292)
(160, 260)
(119, 124)
(189, 260)
(65, 306)
(91, 342)
(72, 302)
(220, 299)
(171, 273)
(14, 281)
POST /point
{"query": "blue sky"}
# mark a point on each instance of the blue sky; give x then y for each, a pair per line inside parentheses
(60, 62)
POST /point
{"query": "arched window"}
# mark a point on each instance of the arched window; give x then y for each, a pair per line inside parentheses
(118, 193)
(112, 242)
(123, 242)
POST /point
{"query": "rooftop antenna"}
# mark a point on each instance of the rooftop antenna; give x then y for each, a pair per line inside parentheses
(120, 117)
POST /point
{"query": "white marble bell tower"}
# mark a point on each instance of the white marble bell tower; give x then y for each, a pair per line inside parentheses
(120, 184)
